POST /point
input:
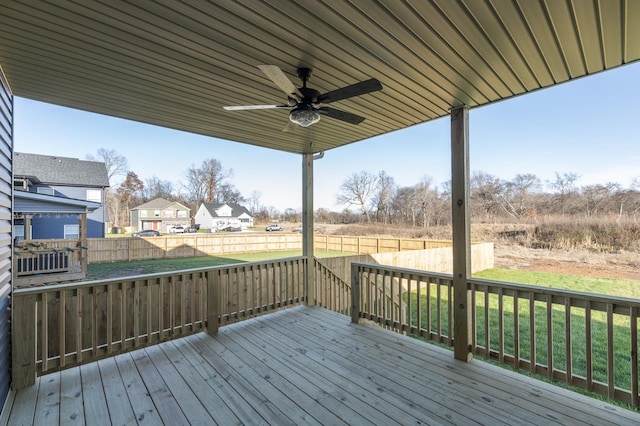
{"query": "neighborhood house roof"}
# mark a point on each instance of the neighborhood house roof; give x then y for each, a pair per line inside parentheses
(236, 209)
(158, 204)
(30, 202)
(54, 170)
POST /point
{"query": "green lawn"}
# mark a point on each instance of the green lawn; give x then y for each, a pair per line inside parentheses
(100, 271)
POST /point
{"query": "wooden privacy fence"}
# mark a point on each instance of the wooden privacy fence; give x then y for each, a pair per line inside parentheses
(585, 340)
(194, 245)
(64, 325)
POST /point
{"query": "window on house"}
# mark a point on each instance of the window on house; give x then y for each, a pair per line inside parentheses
(156, 213)
(143, 213)
(168, 213)
(182, 213)
(94, 195)
(71, 232)
(44, 190)
(18, 231)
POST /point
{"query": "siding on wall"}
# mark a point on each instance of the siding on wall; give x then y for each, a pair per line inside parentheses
(6, 180)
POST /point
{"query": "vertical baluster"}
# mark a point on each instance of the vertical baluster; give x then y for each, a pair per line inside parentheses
(94, 322)
(123, 316)
(449, 312)
(516, 330)
(419, 305)
(150, 306)
(161, 286)
(136, 314)
(474, 320)
(500, 326)
(428, 306)
(633, 325)
(549, 336)
(438, 310)
(487, 329)
(532, 331)
(44, 331)
(588, 345)
(567, 329)
(610, 354)
(62, 328)
(409, 319)
(78, 325)
(183, 303)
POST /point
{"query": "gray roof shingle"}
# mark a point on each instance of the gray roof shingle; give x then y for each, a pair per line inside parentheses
(237, 209)
(56, 170)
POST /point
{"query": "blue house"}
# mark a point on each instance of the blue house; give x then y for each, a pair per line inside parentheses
(63, 177)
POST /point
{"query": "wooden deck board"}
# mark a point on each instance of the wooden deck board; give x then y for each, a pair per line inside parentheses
(301, 366)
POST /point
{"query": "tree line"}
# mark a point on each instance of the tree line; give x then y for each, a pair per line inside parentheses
(377, 198)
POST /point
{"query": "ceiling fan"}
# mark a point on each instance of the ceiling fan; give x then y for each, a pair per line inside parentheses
(307, 104)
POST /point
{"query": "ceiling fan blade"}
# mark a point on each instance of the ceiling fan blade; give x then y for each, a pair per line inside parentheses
(243, 107)
(276, 75)
(357, 89)
(347, 117)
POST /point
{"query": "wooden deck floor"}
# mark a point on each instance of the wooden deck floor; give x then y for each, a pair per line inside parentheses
(301, 366)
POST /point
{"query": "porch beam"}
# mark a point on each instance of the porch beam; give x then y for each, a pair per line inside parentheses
(461, 232)
(307, 226)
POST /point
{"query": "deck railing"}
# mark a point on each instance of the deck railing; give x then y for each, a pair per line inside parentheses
(60, 326)
(586, 340)
(47, 261)
(332, 292)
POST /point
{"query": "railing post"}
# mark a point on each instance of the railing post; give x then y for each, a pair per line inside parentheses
(23, 346)
(213, 302)
(355, 294)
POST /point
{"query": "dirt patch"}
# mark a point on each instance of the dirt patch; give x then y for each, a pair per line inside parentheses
(576, 262)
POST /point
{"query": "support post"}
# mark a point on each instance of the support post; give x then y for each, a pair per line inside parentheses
(307, 227)
(461, 233)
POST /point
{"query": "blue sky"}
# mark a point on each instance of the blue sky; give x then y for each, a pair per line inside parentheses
(588, 126)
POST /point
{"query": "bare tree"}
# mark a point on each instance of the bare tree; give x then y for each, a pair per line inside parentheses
(383, 198)
(204, 183)
(358, 190)
(518, 194)
(157, 188)
(115, 163)
(254, 201)
(564, 185)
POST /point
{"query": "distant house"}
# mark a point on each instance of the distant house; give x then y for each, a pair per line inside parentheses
(215, 216)
(161, 215)
(62, 178)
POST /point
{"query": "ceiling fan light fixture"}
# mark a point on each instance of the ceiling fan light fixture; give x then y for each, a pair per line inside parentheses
(304, 115)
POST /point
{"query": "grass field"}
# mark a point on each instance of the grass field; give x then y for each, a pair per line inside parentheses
(100, 271)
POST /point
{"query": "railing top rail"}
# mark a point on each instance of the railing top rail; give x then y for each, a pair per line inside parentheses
(404, 271)
(57, 287)
(594, 297)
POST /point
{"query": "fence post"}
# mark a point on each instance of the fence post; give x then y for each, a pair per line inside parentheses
(23, 347)
(355, 294)
(213, 302)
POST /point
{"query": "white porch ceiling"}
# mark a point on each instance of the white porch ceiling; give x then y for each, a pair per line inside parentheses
(175, 64)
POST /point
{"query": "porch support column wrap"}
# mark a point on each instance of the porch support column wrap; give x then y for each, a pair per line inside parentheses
(462, 331)
(307, 226)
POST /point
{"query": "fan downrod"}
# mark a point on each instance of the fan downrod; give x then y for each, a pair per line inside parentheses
(304, 74)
